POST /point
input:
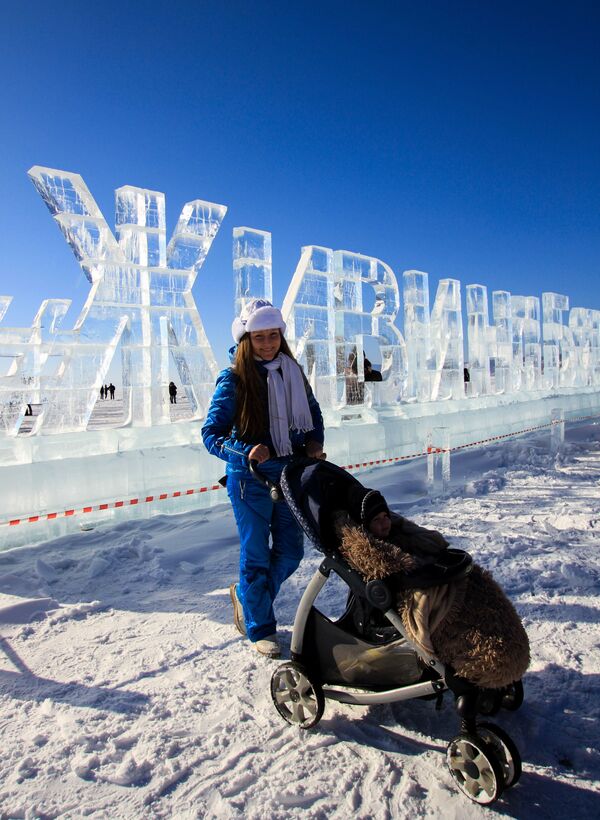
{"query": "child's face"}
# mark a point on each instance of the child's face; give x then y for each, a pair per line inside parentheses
(380, 525)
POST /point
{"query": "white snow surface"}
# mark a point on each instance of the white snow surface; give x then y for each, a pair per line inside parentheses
(125, 691)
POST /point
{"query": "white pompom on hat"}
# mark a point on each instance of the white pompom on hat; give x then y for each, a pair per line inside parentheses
(257, 314)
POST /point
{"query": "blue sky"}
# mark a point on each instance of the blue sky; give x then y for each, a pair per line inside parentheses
(457, 138)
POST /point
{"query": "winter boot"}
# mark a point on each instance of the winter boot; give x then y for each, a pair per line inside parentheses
(268, 646)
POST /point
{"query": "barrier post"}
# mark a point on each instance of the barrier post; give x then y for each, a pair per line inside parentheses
(438, 460)
(430, 461)
(557, 430)
(443, 455)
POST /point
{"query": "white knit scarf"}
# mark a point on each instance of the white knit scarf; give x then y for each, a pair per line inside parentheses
(288, 402)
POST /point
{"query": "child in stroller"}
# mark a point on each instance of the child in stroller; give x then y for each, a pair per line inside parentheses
(374, 653)
(469, 623)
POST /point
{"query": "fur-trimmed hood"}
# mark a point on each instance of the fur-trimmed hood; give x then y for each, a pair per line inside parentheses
(371, 557)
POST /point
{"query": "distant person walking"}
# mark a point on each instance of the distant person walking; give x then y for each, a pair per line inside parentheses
(172, 392)
(112, 389)
(102, 392)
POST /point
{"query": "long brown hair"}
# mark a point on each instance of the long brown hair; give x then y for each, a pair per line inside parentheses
(251, 417)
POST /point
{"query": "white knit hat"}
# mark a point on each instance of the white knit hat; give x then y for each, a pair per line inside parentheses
(257, 314)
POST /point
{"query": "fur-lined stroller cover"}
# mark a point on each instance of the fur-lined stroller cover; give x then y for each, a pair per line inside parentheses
(468, 624)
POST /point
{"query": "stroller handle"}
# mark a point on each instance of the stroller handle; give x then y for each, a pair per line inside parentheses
(273, 488)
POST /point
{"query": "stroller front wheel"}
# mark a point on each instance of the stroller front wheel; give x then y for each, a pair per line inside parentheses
(475, 768)
(298, 699)
(506, 749)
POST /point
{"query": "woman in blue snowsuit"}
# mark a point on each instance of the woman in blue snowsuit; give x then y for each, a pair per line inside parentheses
(262, 409)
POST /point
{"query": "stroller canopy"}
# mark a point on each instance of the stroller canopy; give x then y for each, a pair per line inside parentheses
(314, 490)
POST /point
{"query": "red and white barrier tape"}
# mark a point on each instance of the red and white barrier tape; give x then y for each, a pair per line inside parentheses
(32, 519)
(131, 502)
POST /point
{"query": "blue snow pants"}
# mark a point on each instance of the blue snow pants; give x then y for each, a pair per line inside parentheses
(263, 566)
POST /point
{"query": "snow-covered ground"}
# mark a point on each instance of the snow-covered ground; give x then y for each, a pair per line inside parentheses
(125, 691)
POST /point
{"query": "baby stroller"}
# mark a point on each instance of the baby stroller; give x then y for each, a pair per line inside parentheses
(365, 657)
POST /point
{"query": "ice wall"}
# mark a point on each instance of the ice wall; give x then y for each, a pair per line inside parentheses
(52, 485)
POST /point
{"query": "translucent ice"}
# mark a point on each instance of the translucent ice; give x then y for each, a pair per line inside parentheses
(141, 299)
(252, 266)
(481, 340)
(555, 340)
(502, 312)
(584, 325)
(327, 323)
(32, 357)
(447, 342)
(141, 306)
(353, 323)
(417, 334)
(527, 348)
(308, 309)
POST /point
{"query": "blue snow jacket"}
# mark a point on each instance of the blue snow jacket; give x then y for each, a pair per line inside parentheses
(222, 439)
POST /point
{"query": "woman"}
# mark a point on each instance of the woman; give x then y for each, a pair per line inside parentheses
(264, 410)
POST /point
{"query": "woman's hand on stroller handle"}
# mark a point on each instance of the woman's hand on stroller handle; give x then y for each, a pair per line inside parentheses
(273, 488)
(315, 450)
(259, 453)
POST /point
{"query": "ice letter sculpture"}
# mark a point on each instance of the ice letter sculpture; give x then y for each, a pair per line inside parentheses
(308, 309)
(417, 332)
(140, 306)
(353, 323)
(327, 323)
(502, 310)
(584, 325)
(447, 342)
(252, 268)
(140, 298)
(481, 340)
(434, 342)
(558, 358)
(35, 363)
(527, 348)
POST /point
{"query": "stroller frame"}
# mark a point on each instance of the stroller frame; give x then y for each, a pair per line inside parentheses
(483, 760)
(406, 692)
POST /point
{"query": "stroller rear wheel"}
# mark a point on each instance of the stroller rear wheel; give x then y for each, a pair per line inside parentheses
(298, 699)
(476, 768)
(506, 750)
